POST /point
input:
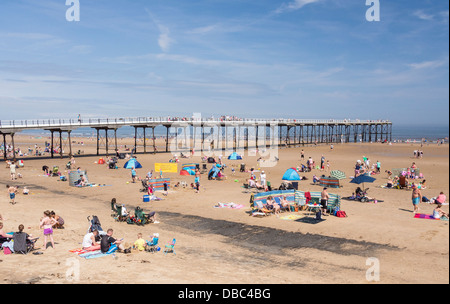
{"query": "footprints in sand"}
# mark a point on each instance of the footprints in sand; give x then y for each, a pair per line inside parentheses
(428, 235)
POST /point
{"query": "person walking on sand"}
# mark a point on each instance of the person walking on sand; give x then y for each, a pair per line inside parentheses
(12, 193)
(47, 224)
(416, 198)
(12, 170)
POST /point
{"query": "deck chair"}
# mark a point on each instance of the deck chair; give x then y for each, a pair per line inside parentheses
(170, 247)
(118, 215)
(259, 207)
(143, 218)
(151, 246)
(22, 244)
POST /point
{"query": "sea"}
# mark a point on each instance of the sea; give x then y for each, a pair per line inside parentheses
(400, 132)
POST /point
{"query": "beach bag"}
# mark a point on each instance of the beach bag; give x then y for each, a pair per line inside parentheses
(319, 215)
(341, 214)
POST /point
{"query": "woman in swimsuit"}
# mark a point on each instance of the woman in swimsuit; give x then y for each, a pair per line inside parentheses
(47, 224)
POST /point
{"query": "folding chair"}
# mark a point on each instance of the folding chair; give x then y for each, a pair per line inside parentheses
(170, 247)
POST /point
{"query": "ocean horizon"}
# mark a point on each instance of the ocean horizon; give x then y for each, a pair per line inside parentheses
(399, 132)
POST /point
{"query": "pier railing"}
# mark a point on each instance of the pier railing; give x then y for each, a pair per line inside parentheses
(92, 122)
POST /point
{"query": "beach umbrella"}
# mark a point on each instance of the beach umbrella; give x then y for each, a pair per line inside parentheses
(132, 163)
(361, 179)
(337, 174)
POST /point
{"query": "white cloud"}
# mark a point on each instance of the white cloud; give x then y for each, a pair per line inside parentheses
(164, 39)
(422, 15)
(293, 6)
(428, 64)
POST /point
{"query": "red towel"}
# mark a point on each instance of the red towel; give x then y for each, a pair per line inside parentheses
(307, 196)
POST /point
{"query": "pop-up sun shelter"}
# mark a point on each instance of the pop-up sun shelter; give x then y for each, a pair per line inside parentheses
(234, 156)
(213, 172)
(187, 171)
(291, 175)
(132, 163)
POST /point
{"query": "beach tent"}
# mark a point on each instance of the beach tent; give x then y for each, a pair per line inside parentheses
(213, 172)
(192, 166)
(132, 163)
(291, 175)
(234, 156)
(211, 160)
(187, 171)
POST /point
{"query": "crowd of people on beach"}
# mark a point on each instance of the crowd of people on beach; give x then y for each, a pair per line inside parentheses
(97, 239)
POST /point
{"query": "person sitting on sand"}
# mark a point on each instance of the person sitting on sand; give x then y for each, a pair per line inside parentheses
(140, 243)
(441, 198)
(390, 183)
(59, 220)
(438, 212)
(89, 243)
(3, 236)
(108, 244)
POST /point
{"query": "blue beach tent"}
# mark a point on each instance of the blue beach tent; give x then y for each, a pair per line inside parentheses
(213, 172)
(234, 156)
(291, 175)
(132, 163)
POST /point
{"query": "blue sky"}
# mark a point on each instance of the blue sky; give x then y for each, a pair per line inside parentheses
(251, 58)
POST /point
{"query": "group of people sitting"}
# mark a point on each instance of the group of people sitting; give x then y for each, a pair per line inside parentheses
(106, 243)
(18, 242)
(272, 205)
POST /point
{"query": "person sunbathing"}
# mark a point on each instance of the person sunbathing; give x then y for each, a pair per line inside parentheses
(272, 205)
(285, 203)
(390, 183)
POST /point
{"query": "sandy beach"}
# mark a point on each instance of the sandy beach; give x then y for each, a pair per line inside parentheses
(223, 245)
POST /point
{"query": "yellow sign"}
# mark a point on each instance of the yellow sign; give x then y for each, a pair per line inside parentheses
(166, 167)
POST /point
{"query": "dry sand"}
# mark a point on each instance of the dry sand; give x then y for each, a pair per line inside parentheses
(221, 245)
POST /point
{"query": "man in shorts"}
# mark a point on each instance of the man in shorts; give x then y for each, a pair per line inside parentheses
(324, 196)
(12, 193)
(108, 244)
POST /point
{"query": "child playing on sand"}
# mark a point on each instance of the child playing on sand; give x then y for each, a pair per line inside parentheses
(140, 243)
(47, 224)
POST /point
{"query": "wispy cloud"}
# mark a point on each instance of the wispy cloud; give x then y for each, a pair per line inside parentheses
(428, 64)
(293, 6)
(422, 15)
(164, 39)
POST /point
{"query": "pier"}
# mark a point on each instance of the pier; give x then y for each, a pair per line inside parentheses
(203, 134)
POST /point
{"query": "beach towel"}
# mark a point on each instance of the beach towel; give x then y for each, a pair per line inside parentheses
(228, 205)
(95, 254)
(424, 216)
(291, 217)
